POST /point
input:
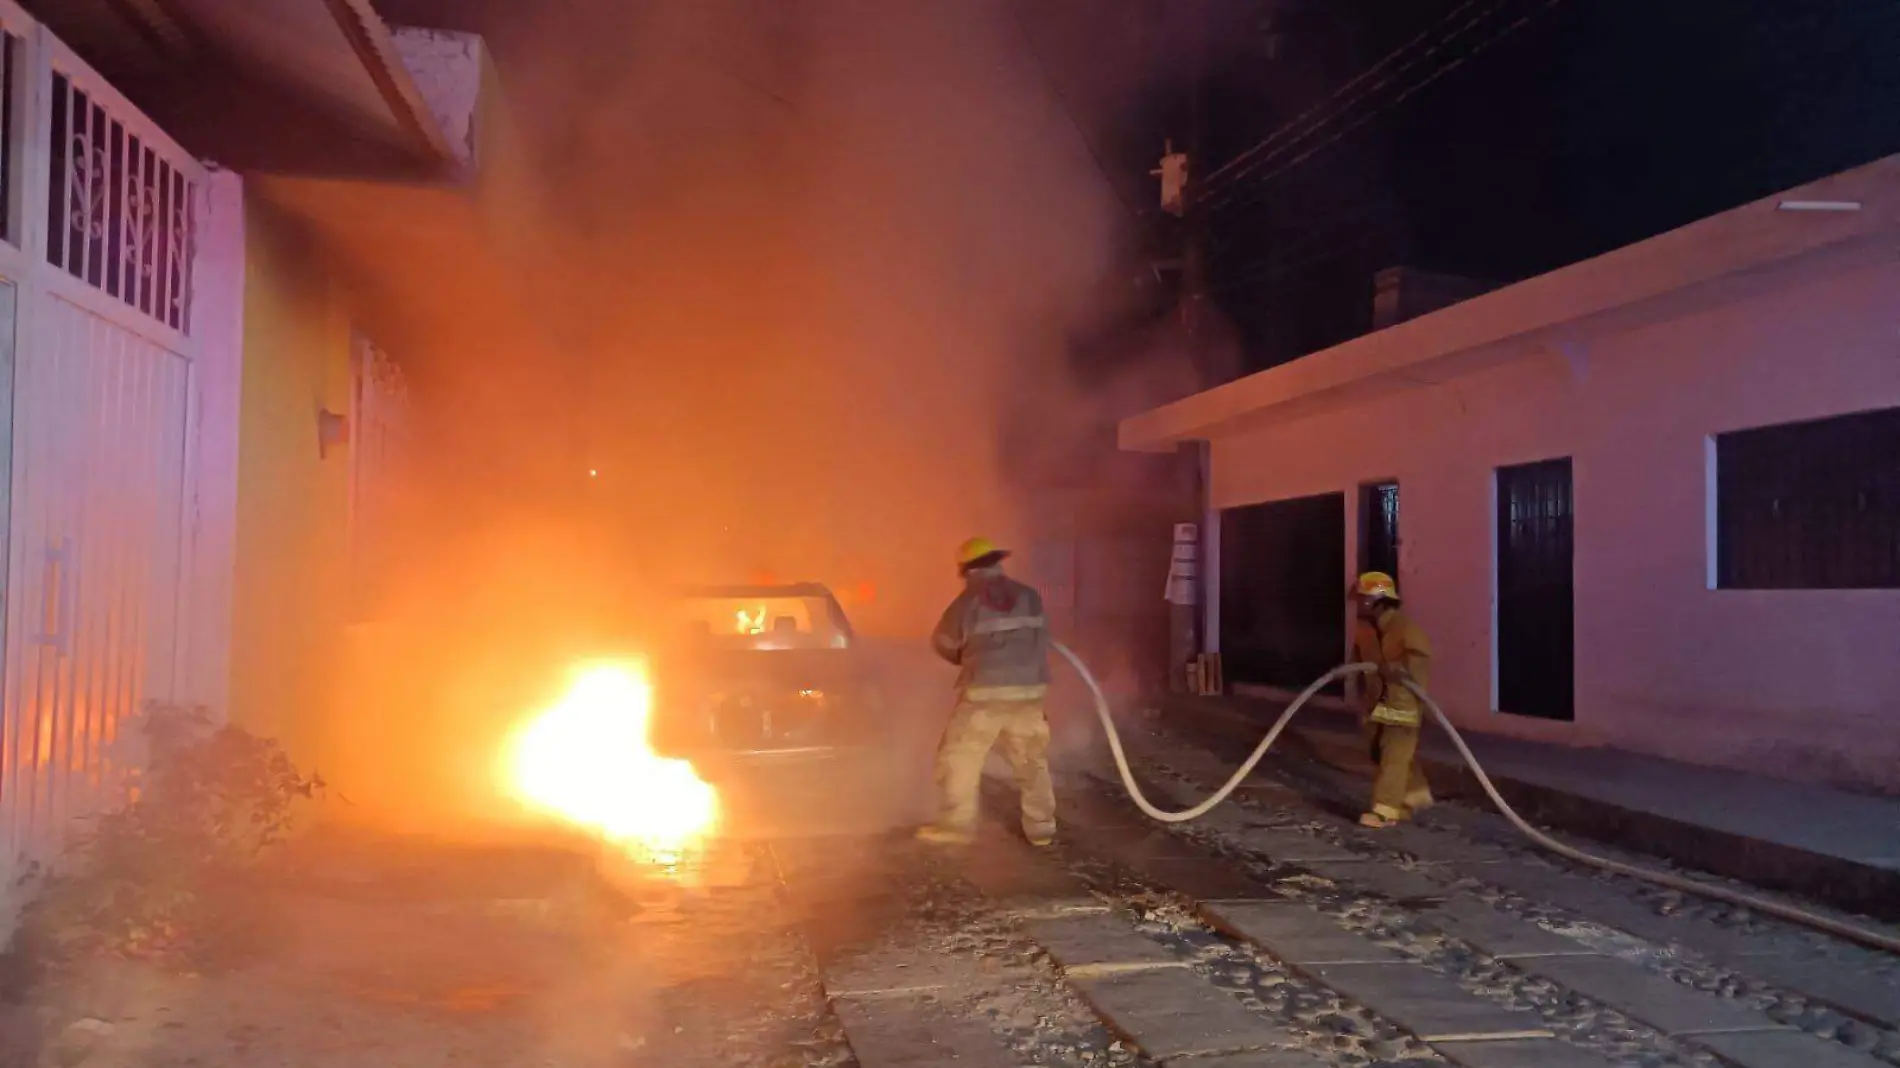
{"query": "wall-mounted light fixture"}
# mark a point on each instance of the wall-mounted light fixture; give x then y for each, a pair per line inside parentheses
(1818, 205)
(333, 431)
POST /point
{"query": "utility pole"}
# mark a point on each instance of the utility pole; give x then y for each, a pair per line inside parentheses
(1196, 628)
(1210, 369)
(1188, 582)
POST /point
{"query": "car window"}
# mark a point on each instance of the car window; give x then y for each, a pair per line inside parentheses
(779, 622)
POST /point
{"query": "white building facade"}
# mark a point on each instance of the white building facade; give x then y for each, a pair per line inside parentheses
(151, 357)
(1651, 500)
(121, 287)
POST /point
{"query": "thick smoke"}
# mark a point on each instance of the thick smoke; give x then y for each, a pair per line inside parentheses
(806, 281)
(827, 251)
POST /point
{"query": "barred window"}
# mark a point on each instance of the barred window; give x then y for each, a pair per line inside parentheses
(1810, 506)
(119, 214)
(1379, 528)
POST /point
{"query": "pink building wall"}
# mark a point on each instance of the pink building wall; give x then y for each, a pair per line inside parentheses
(1802, 684)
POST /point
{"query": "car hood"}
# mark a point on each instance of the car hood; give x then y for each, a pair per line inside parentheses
(803, 669)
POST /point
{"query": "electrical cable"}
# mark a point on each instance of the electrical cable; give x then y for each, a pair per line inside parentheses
(1217, 175)
(1852, 932)
(1232, 193)
(1062, 101)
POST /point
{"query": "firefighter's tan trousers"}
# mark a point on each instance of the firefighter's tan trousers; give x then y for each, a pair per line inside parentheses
(973, 729)
(1399, 789)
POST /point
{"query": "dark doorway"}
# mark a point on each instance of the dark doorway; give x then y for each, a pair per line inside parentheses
(1283, 594)
(1379, 528)
(1536, 594)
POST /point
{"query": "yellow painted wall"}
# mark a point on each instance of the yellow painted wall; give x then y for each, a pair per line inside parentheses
(291, 586)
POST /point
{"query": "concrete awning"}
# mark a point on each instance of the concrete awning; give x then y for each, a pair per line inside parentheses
(1851, 216)
(286, 86)
(434, 278)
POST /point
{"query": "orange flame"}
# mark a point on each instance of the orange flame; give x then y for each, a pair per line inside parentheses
(587, 760)
(751, 622)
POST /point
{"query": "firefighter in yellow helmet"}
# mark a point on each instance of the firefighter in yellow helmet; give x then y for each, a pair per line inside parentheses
(1384, 635)
(998, 638)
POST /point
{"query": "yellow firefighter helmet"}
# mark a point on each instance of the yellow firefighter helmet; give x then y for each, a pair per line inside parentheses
(1376, 584)
(976, 549)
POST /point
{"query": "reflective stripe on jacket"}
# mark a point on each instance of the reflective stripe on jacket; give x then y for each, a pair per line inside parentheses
(997, 636)
(1392, 640)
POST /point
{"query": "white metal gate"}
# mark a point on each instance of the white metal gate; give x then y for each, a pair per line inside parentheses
(97, 231)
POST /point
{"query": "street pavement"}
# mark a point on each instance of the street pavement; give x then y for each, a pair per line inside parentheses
(1275, 933)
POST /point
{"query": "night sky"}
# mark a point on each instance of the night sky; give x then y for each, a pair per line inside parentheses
(1587, 125)
(1549, 132)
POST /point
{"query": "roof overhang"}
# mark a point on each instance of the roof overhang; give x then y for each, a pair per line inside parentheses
(285, 86)
(431, 277)
(1849, 218)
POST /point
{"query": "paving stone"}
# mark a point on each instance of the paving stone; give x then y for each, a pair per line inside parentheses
(845, 892)
(1269, 791)
(1437, 846)
(1847, 989)
(1095, 813)
(1483, 825)
(1012, 877)
(1852, 990)
(1643, 995)
(839, 933)
(1425, 1003)
(1078, 941)
(1380, 877)
(799, 858)
(1498, 934)
(1784, 1049)
(1172, 1012)
(1205, 878)
(1133, 848)
(1519, 1053)
(911, 1033)
(1296, 934)
(885, 972)
(1266, 1058)
(1591, 898)
(1291, 847)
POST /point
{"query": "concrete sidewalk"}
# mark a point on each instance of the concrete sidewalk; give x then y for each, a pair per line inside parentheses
(1835, 846)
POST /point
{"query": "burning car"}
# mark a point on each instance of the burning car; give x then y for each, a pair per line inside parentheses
(751, 674)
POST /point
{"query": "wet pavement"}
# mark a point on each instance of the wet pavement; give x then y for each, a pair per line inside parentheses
(1275, 932)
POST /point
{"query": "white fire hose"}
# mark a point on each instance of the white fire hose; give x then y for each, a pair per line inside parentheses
(1852, 932)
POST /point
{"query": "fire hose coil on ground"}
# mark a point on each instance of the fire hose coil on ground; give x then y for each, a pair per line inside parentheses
(1853, 933)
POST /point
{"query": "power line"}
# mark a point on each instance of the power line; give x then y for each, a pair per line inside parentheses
(1214, 176)
(1232, 188)
(1062, 101)
(1261, 183)
(1330, 110)
(1297, 254)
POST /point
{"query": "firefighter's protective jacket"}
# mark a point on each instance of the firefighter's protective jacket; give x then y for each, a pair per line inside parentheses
(996, 634)
(1395, 643)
